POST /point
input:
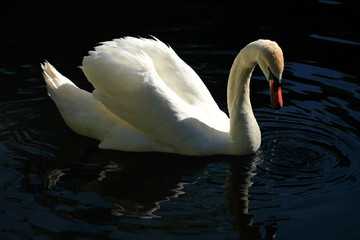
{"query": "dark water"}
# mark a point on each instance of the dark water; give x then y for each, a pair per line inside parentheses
(303, 183)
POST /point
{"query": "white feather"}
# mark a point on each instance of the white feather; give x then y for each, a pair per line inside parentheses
(146, 84)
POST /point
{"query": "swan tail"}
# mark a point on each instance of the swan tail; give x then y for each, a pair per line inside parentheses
(59, 88)
(69, 99)
(89, 117)
(75, 105)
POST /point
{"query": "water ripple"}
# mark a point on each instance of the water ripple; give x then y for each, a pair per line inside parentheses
(311, 146)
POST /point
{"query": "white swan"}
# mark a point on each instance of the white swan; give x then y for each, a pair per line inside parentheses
(147, 99)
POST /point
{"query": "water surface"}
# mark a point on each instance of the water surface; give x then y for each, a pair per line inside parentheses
(303, 183)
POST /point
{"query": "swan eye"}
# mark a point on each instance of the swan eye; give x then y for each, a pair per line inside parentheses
(273, 77)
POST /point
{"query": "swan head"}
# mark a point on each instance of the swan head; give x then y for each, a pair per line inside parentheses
(271, 62)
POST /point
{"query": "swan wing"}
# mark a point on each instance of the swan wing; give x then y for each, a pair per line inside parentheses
(173, 71)
(144, 82)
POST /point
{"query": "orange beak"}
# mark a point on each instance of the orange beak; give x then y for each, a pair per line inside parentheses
(275, 95)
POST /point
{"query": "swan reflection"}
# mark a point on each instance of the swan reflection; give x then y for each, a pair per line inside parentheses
(238, 182)
(138, 187)
(130, 181)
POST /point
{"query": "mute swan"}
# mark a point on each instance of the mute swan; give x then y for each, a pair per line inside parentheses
(147, 99)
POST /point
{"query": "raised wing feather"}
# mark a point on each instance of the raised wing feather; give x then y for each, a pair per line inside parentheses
(173, 71)
(146, 84)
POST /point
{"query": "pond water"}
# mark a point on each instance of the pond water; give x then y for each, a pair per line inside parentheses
(303, 183)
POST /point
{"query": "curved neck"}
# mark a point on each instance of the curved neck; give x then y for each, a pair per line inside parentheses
(244, 130)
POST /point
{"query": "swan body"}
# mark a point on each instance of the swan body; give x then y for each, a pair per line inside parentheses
(146, 98)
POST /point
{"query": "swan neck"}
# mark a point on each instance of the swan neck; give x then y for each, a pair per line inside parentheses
(244, 130)
(239, 80)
